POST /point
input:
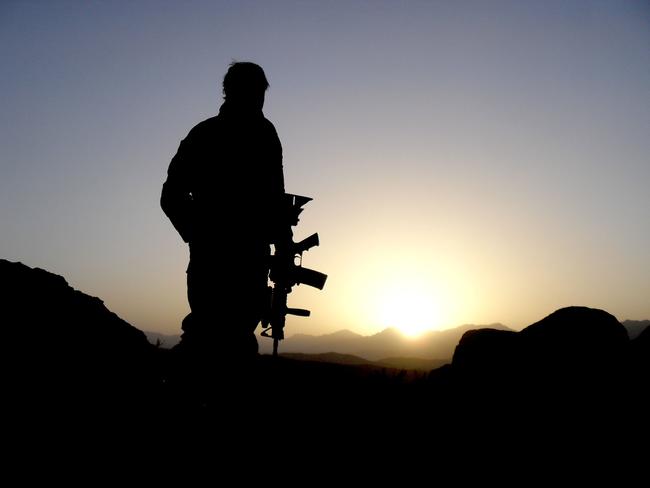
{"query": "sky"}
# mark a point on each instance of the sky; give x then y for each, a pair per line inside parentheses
(470, 161)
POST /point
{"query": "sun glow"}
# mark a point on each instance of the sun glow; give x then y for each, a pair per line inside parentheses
(410, 292)
(409, 308)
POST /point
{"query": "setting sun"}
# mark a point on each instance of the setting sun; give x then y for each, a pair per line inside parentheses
(408, 308)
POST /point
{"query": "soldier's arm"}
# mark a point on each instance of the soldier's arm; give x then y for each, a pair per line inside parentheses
(176, 197)
(281, 227)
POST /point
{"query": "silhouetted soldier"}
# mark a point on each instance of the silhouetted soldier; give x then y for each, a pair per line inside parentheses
(223, 194)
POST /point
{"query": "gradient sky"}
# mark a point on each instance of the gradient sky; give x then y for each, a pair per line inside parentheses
(478, 161)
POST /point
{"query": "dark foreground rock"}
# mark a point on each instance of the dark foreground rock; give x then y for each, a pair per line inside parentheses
(576, 356)
(69, 358)
(65, 349)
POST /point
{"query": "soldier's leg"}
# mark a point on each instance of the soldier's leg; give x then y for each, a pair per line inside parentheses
(227, 306)
(247, 306)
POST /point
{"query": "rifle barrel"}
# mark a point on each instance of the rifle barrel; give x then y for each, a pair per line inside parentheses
(301, 312)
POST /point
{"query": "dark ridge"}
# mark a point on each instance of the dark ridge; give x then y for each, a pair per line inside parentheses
(67, 348)
(71, 360)
(576, 354)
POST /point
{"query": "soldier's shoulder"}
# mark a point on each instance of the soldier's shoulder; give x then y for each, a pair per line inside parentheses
(205, 125)
(268, 125)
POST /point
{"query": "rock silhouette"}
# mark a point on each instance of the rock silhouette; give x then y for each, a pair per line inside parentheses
(574, 354)
(66, 348)
(68, 352)
(486, 352)
(569, 336)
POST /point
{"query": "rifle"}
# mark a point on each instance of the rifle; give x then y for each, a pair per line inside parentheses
(287, 271)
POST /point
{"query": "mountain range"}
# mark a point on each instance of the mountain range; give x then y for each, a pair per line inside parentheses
(389, 343)
(385, 344)
(380, 347)
(414, 364)
(635, 327)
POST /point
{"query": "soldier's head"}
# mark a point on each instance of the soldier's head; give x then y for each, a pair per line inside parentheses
(244, 85)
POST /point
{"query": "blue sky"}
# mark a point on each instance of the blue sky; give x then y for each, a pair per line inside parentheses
(492, 155)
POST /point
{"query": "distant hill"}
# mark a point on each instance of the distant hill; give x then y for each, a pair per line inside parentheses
(635, 327)
(166, 341)
(389, 343)
(414, 364)
(418, 364)
(435, 346)
(329, 357)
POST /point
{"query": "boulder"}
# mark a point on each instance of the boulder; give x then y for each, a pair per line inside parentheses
(60, 342)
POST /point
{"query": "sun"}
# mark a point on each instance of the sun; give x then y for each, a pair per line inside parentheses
(410, 309)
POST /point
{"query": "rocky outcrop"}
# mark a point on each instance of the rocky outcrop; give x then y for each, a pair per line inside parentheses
(486, 352)
(576, 334)
(574, 347)
(63, 343)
